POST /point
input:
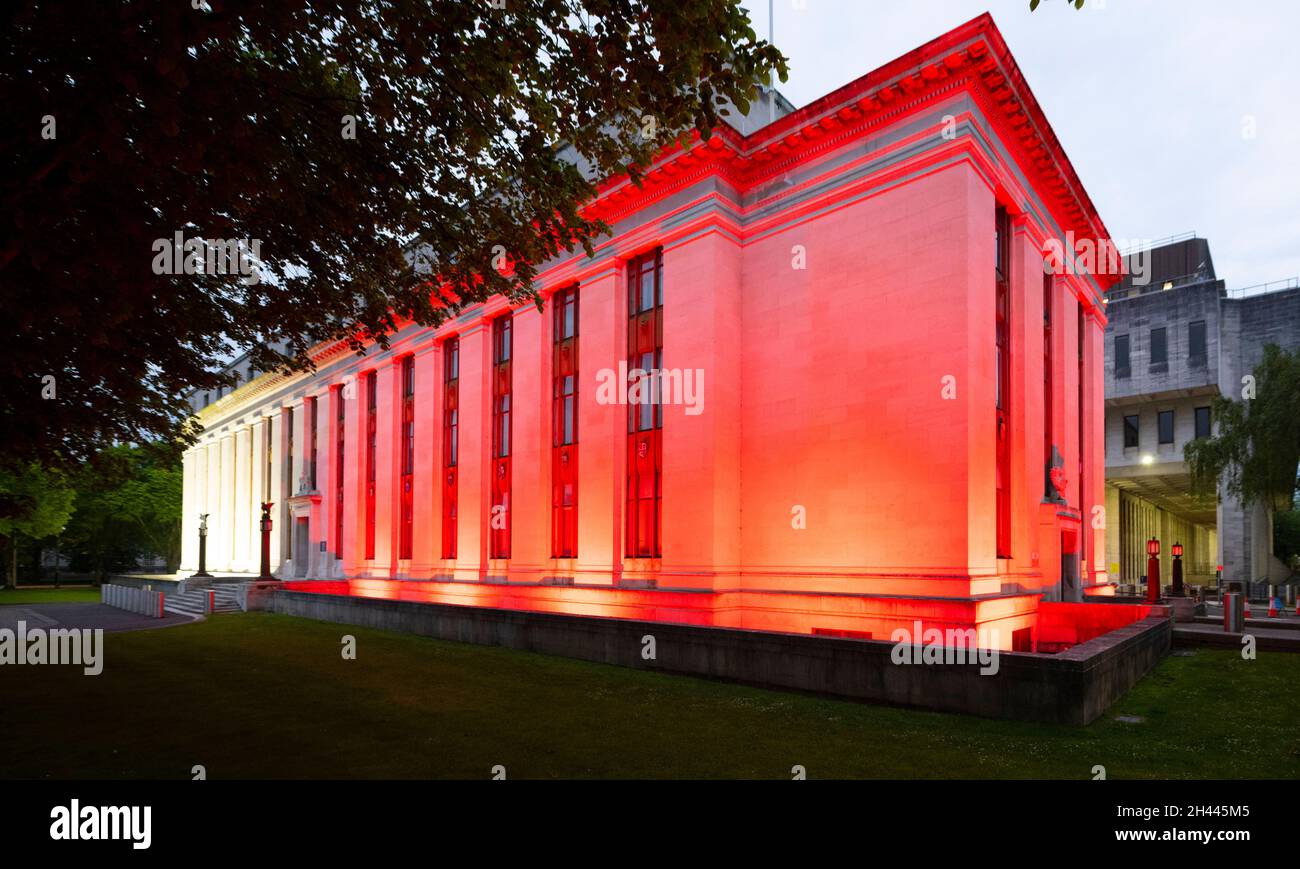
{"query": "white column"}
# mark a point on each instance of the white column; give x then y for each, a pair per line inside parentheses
(427, 539)
(190, 495)
(212, 499)
(257, 490)
(275, 425)
(242, 514)
(226, 550)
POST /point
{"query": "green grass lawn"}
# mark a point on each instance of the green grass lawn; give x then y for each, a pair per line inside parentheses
(48, 595)
(262, 695)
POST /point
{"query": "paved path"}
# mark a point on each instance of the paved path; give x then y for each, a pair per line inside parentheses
(83, 615)
(1269, 639)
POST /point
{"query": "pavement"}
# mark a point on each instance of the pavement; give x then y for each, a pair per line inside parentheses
(83, 615)
(1275, 638)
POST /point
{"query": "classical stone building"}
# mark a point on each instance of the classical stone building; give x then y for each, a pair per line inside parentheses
(1174, 343)
(874, 406)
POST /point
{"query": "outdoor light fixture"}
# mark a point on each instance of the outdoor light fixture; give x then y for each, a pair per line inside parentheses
(1153, 570)
(1177, 551)
(1148, 459)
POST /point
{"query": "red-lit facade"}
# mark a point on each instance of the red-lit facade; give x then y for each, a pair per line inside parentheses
(862, 378)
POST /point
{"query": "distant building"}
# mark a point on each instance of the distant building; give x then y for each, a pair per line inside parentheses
(1172, 345)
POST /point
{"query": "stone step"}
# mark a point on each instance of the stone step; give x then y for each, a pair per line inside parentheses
(195, 603)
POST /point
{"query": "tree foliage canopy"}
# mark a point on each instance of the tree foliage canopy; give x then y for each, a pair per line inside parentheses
(34, 501)
(131, 121)
(1255, 451)
(128, 505)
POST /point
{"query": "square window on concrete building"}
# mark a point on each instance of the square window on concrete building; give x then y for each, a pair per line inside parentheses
(1165, 424)
(1202, 422)
(1131, 431)
(1121, 356)
(1159, 346)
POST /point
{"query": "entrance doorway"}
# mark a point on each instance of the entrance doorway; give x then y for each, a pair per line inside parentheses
(1069, 588)
(301, 547)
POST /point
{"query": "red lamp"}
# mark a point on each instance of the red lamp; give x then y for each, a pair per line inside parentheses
(1176, 550)
(1153, 570)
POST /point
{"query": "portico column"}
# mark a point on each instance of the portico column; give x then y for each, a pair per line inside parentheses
(354, 473)
(387, 410)
(274, 425)
(243, 496)
(472, 484)
(256, 487)
(189, 515)
(602, 432)
(426, 544)
(224, 556)
(212, 496)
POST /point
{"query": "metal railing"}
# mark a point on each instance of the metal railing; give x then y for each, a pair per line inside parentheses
(1265, 288)
(1159, 242)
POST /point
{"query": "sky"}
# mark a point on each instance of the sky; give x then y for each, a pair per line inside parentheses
(1178, 115)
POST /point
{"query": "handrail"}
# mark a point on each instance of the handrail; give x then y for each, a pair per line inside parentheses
(1265, 288)
(1160, 242)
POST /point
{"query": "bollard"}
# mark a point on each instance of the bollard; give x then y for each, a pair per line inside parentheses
(212, 602)
(1233, 612)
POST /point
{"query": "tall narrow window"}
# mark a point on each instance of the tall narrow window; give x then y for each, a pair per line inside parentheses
(1165, 427)
(313, 425)
(1196, 342)
(450, 428)
(1131, 430)
(372, 443)
(1002, 353)
(564, 424)
(1083, 432)
(645, 414)
(501, 387)
(1047, 376)
(1159, 346)
(1202, 422)
(1121, 357)
(339, 408)
(287, 484)
(406, 534)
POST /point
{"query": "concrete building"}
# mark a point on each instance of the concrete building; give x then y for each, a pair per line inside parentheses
(1173, 344)
(816, 380)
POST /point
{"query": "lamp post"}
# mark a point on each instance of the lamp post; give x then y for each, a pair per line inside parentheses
(1177, 552)
(203, 547)
(266, 540)
(1153, 570)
